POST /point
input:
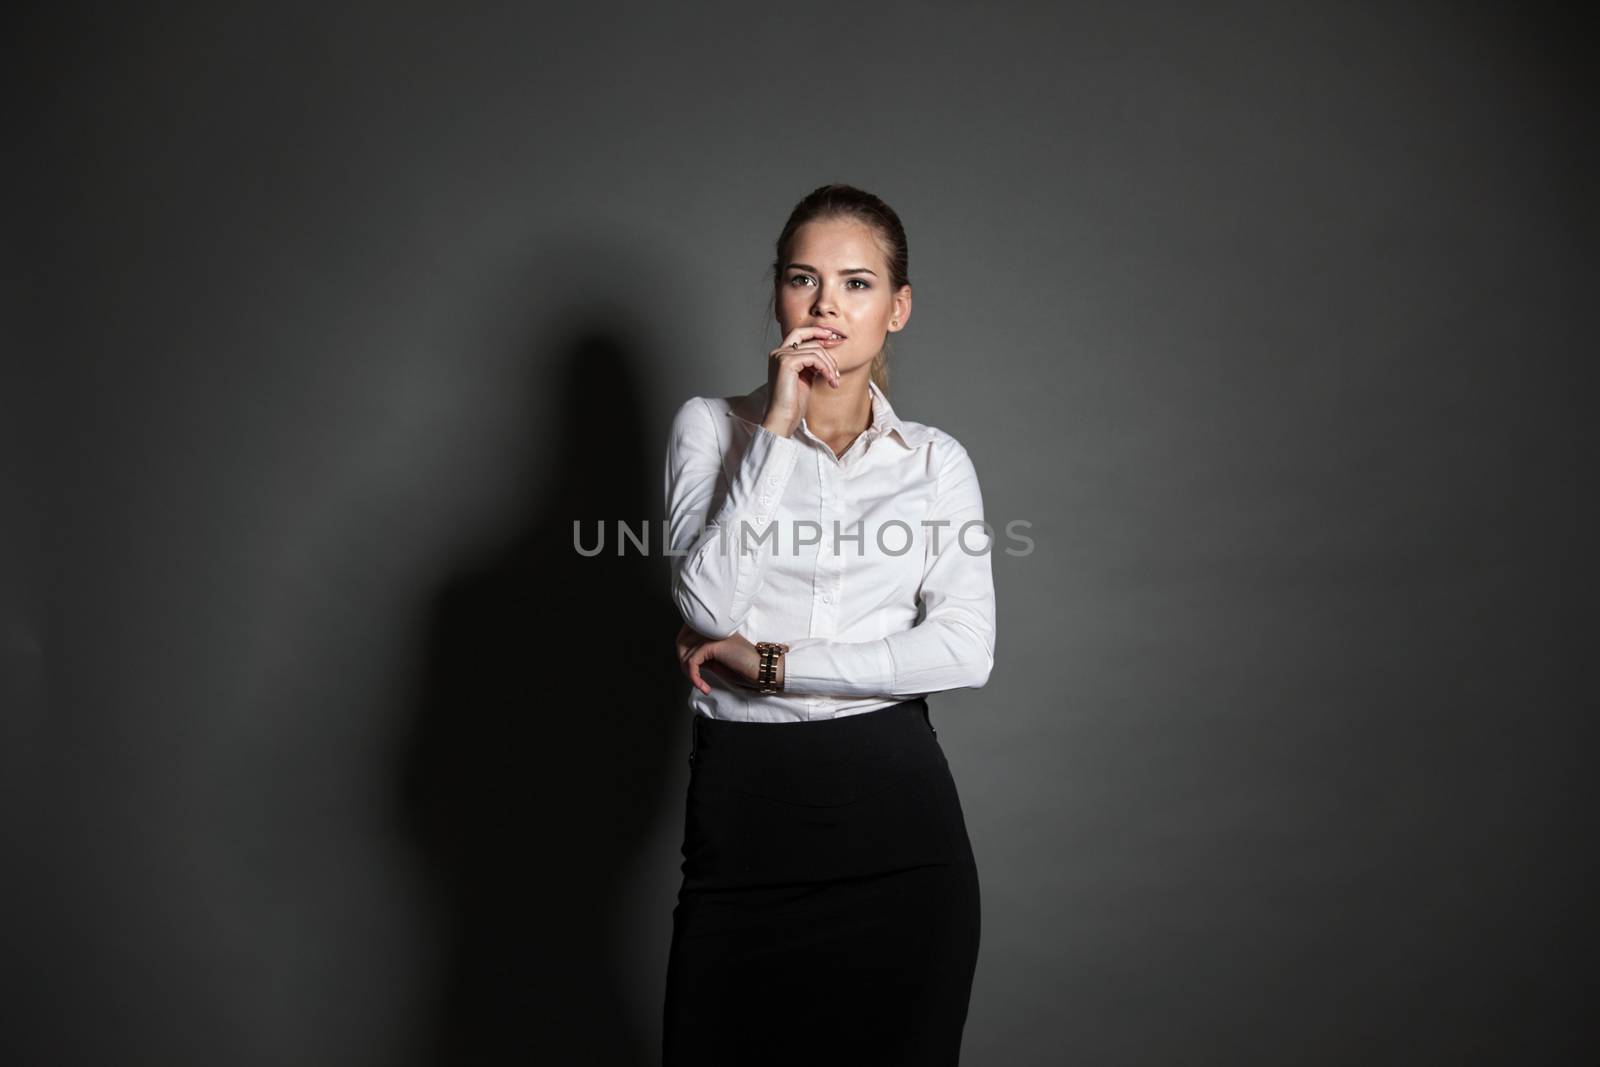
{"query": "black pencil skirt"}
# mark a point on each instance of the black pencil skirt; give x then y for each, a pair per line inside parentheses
(829, 910)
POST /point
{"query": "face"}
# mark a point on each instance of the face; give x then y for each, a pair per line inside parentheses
(837, 276)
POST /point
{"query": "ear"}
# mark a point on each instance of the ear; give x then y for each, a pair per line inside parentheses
(901, 312)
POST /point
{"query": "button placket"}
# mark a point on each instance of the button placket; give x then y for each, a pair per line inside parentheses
(819, 625)
(834, 592)
(826, 497)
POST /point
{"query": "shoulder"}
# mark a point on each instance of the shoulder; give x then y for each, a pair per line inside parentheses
(694, 426)
(707, 424)
(699, 413)
(921, 434)
(948, 462)
(942, 446)
(717, 410)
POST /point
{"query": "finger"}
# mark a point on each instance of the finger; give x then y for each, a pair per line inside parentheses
(803, 333)
(825, 364)
(834, 364)
(810, 356)
(814, 333)
(694, 673)
(688, 640)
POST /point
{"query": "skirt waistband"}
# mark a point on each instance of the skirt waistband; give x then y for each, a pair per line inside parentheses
(820, 761)
(813, 734)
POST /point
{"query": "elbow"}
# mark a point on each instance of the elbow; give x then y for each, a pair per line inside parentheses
(982, 667)
(700, 614)
(710, 627)
(967, 648)
(980, 660)
(968, 654)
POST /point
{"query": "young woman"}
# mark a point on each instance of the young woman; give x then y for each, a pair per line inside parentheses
(829, 910)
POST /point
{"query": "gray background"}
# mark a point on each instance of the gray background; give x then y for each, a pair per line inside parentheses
(322, 746)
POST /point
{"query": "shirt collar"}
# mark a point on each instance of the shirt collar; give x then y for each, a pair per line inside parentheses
(749, 408)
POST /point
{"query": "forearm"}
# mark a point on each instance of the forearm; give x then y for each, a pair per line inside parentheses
(938, 655)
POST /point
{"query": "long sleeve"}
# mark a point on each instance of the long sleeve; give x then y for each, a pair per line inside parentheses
(953, 646)
(716, 572)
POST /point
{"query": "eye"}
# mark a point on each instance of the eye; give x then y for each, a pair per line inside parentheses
(849, 281)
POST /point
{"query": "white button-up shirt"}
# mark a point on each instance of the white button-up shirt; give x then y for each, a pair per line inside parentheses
(778, 539)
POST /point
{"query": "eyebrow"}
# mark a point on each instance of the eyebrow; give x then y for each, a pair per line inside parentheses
(813, 270)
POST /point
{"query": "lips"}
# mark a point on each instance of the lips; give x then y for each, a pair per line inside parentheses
(832, 333)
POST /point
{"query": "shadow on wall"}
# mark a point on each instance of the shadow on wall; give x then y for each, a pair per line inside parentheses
(544, 737)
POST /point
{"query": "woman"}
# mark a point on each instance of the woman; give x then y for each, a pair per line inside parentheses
(829, 910)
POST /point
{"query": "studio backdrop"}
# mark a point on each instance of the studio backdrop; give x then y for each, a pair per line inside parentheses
(327, 324)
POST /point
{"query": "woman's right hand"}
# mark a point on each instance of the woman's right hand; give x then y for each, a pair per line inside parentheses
(791, 372)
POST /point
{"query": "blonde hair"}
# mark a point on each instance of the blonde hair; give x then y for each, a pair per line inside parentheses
(880, 368)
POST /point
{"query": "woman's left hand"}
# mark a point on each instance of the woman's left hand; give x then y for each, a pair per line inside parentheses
(733, 658)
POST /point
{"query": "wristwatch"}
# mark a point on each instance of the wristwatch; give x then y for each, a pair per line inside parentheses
(767, 674)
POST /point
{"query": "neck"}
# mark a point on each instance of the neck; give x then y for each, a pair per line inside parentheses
(846, 410)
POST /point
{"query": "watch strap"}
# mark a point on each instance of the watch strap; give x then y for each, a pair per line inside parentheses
(767, 680)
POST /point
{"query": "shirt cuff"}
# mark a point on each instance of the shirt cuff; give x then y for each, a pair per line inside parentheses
(817, 666)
